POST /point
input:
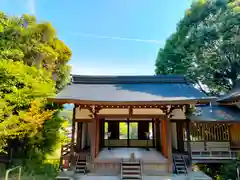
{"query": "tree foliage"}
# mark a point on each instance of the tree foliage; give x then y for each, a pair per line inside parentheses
(33, 66)
(205, 46)
(36, 44)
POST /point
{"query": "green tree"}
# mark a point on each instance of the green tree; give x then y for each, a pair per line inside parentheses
(205, 46)
(206, 49)
(36, 44)
(33, 66)
(22, 90)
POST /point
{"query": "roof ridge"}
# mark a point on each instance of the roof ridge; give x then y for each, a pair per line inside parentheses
(121, 79)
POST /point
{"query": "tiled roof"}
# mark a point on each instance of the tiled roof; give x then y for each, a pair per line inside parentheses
(82, 79)
(129, 88)
(216, 113)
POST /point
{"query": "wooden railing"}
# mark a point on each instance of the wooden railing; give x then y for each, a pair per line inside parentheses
(88, 162)
(121, 173)
(66, 151)
(214, 155)
(214, 150)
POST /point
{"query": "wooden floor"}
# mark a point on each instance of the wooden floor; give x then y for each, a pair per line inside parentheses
(151, 156)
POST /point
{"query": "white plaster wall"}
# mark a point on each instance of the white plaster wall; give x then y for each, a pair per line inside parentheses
(174, 135)
(85, 113)
(113, 111)
(178, 114)
(139, 119)
(82, 114)
(152, 111)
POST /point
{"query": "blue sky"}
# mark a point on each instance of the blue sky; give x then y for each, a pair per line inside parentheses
(107, 36)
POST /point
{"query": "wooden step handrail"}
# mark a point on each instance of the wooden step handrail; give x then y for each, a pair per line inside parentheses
(141, 168)
(66, 150)
(121, 169)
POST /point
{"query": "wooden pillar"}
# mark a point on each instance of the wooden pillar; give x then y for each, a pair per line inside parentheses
(128, 132)
(97, 136)
(83, 135)
(79, 136)
(86, 135)
(169, 143)
(188, 130)
(102, 133)
(73, 134)
(153, 133)
(180, 142)
(130, 113)
(92, 132)
(157, 134)
(164, 137)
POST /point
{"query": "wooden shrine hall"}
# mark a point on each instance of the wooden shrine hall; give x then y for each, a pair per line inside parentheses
(116, 115)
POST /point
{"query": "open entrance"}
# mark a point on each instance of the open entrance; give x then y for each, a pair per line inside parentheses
(128, 134)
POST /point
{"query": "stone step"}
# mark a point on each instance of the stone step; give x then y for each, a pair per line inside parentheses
(131, 167)
(130, 162)
(80, 166)
(180, 164)
(131, 170)
(81, 162)
(131, 176)
(180, 167)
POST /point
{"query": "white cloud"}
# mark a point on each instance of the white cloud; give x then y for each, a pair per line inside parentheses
(31, 5)
(152, 41)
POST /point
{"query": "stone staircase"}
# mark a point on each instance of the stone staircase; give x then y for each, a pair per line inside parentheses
(81, 165)
(131, 170)
(179, 164)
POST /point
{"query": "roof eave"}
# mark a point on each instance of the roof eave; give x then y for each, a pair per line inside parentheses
(214, 121)
(228, 99)
(162, 102)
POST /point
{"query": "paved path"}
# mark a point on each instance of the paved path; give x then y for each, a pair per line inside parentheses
(192, 176)
(117, 178)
